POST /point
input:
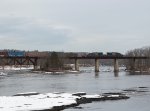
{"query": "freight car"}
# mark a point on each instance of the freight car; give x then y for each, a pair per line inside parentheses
(95, 54)
(16, 53)
(36, 54)
(114, 54)
(3, 53)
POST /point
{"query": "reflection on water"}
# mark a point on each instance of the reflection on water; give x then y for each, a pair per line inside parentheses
(87, 81)
(138, 73)
(116, 74)
(97, 74)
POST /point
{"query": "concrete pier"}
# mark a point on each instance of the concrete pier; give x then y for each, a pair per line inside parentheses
(133, 65)
(35, 67)
(35, 64)
(96, 65)
(3, 67)
(116, 66)
(115, 58)
(77, 64)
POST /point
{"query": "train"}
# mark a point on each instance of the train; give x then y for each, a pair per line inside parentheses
(19, 53)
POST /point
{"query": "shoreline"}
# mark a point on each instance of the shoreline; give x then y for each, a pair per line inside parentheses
(31, 69)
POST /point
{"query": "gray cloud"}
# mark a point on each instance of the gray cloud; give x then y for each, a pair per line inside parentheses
(16, 32)
(76, 25)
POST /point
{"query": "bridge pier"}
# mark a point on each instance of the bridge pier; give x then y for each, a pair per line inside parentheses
(77, 64)
(133, 65)
(3, 67)
(35, 67)
(96, 65)
(35, 64)
(116, 66)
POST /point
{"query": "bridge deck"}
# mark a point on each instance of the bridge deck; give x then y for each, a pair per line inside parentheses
(110, 57)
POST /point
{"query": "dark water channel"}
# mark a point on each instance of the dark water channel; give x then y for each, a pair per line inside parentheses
(88, 81)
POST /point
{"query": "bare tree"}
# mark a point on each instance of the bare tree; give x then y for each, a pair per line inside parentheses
(141, 64)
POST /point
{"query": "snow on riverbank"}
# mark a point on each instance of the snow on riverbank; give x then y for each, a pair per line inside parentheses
(50, 101)
(16, 68)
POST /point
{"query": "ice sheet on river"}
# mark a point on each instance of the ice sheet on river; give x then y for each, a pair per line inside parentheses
(3, 73)
(52, 101)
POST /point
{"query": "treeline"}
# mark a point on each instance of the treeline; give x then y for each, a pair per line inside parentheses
(58, 61)
(54, 62)
(140, 64)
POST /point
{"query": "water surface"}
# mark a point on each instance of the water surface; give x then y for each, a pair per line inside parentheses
(88, 81)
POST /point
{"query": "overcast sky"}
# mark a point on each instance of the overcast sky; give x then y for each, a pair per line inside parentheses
(74, 25)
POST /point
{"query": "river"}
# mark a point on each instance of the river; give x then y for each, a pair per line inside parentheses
(87, 81)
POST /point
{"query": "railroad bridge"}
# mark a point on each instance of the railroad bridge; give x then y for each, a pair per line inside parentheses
(115, 58)
(26, 60)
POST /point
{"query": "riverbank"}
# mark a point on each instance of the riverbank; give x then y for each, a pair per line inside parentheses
(82, 69)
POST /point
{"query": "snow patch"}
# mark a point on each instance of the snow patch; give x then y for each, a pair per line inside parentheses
(92, 96)
(36, 102)
(3, 74)
(50, 101)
